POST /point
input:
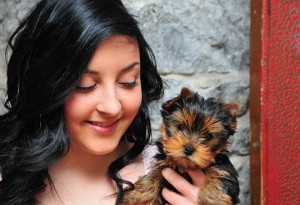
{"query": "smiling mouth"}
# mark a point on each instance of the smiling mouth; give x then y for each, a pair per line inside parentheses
(103, 124)
(103, 127)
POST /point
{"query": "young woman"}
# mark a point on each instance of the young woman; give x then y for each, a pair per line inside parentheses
(79, 81)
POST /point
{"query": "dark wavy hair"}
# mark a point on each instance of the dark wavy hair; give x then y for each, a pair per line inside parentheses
(50, 51)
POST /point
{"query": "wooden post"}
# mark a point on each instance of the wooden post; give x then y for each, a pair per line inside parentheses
(279, 129)
(255, 102)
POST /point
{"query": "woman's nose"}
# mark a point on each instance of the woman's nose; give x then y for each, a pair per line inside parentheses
(109, 103)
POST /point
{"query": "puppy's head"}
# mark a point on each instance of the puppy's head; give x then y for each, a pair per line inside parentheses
(194, 130)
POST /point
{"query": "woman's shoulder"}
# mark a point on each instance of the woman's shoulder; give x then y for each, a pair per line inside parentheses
(139, 166)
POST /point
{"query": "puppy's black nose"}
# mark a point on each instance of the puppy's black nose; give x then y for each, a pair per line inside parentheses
(188, 150)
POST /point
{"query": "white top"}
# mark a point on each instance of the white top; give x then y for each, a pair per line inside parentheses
(148, 156)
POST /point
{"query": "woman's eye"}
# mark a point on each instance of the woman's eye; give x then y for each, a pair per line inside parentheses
(129, 84)
(85, 89)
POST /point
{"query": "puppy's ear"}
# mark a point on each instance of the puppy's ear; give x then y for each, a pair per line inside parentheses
(231, 109)
(184, 94)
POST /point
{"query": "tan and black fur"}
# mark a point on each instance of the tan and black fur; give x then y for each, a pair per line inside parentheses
(194, 134)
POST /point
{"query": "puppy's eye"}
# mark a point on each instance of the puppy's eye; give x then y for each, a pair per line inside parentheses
(180, 127)
(208, 136)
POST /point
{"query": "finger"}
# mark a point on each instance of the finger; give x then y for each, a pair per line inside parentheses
(176, 199)
(171, 197)
(197, 176)
(180, 183)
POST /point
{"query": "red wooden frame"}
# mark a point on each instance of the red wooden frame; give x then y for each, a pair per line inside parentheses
(279, 104)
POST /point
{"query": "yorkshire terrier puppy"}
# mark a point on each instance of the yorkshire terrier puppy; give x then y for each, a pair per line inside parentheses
(194, 134)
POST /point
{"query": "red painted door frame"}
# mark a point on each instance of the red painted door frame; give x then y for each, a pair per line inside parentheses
(275, 102)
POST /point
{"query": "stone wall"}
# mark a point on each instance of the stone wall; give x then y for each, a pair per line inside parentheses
(203, 45)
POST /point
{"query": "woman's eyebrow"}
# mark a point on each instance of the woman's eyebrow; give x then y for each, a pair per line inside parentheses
(131, 65)
(88, 71)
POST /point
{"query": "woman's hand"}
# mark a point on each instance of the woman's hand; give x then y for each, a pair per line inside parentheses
(188, 193)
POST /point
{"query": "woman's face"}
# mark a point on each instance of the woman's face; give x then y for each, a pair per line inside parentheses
(108, 97)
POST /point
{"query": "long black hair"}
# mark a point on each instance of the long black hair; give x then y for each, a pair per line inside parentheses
(50, 51)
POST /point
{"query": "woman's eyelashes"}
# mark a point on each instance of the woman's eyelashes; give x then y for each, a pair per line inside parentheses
(129, 84)
(85, 89)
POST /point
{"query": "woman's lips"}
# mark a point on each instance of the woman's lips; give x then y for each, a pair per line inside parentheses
(103, 127)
